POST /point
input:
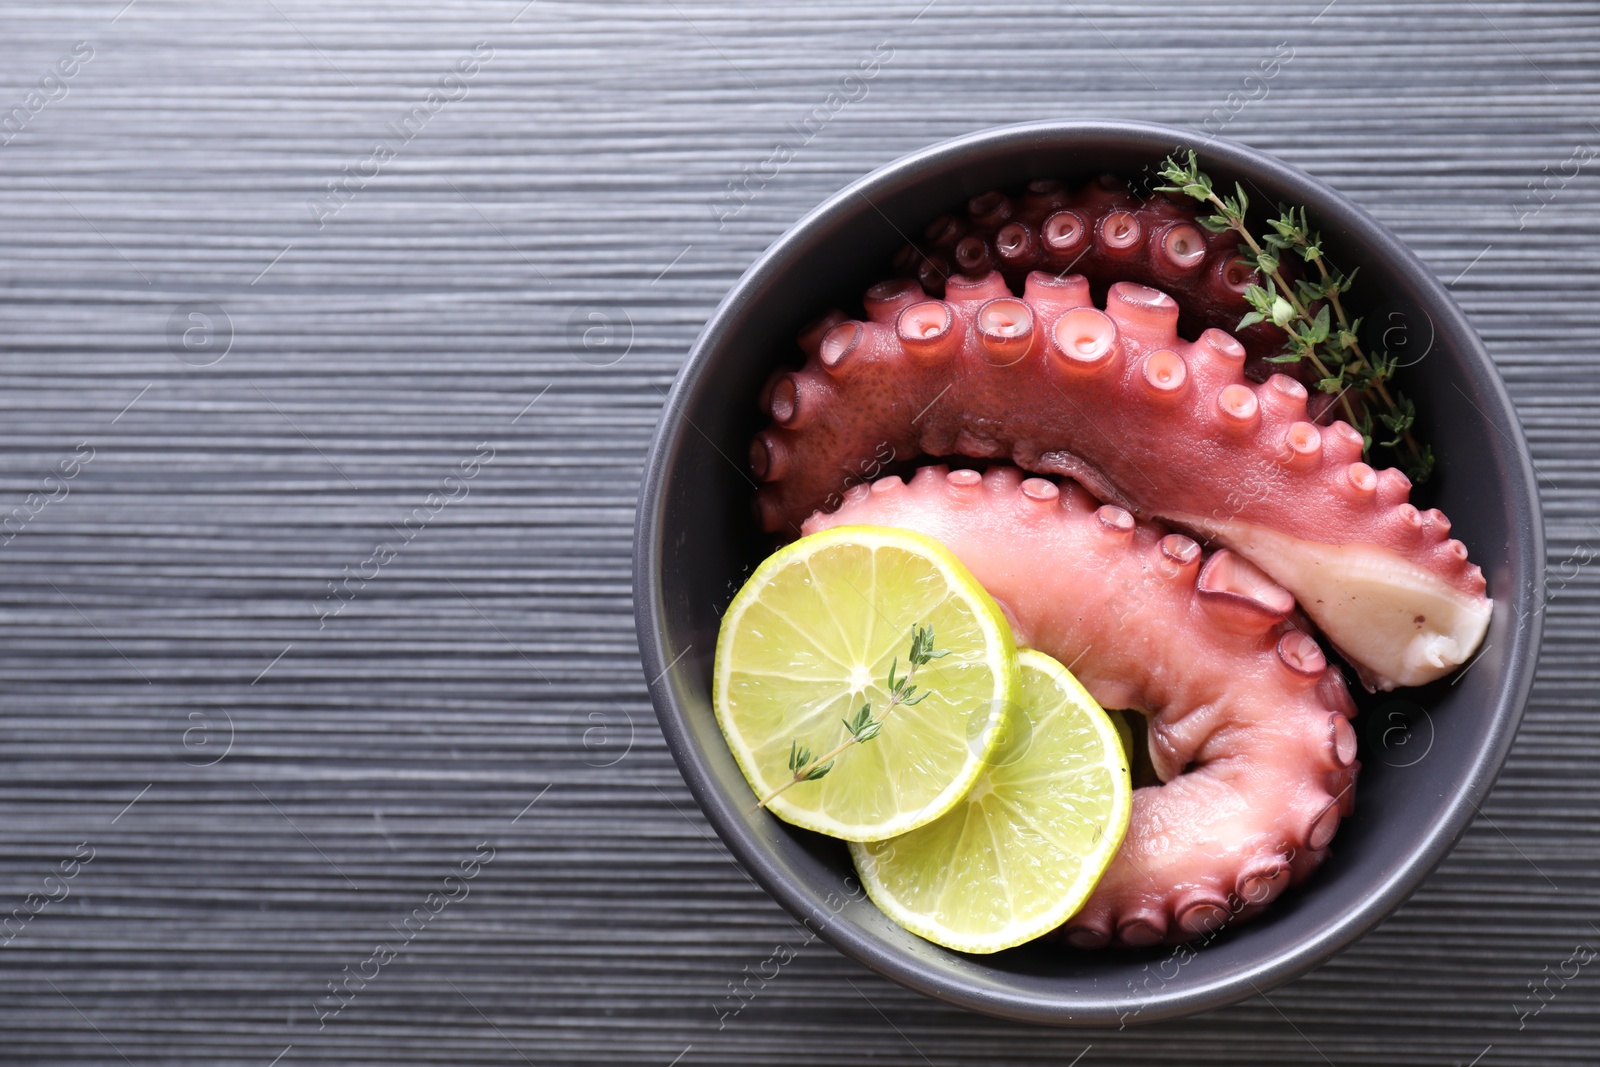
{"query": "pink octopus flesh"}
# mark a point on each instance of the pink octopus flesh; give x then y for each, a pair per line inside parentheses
(1108, 234)
(1249, 726)
(1162, 427)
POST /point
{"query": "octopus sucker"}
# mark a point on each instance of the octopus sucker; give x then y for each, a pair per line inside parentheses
(1248, 723)
(1160, 426)
(1107, 233)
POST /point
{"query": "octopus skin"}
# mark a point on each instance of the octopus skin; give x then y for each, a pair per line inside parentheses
(1106, 233)
(1165, 428)
(1249, 726)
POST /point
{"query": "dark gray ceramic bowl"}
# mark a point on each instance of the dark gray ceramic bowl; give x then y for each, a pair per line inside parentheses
(1430, 755)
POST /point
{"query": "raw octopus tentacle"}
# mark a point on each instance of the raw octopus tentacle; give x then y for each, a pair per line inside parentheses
(1106, 233)
(1249, 726)
(1163, 427)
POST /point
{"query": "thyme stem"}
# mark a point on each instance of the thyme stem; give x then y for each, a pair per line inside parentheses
(1335, 354)
(863, 727)
(800, 775)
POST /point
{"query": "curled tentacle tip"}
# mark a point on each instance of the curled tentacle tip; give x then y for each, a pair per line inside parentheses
(1300, 707)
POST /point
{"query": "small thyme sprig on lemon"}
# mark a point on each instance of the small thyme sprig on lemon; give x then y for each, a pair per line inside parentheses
(1328, 342)
(862, 727)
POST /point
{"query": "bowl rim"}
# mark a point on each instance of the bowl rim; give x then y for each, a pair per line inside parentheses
(1174, 1000)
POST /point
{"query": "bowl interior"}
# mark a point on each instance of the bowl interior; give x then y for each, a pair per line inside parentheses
(1429, 755)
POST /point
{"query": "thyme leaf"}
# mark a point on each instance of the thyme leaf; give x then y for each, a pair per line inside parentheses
(1322, 335)
(862, 727)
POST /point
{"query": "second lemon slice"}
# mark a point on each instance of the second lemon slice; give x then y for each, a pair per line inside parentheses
(1023, 850)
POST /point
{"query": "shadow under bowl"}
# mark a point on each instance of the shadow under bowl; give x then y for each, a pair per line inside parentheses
(1430, 755)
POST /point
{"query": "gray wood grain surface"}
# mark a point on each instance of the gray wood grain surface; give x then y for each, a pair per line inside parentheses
(276, 739)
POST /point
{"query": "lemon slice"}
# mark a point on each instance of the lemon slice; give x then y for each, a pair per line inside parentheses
(1024, 849)
(811, 639)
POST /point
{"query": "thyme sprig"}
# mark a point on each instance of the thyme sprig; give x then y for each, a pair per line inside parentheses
(862, 727)
(1312, 314)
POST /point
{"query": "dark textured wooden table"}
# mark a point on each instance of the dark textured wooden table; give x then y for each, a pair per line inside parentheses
(331, 340)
